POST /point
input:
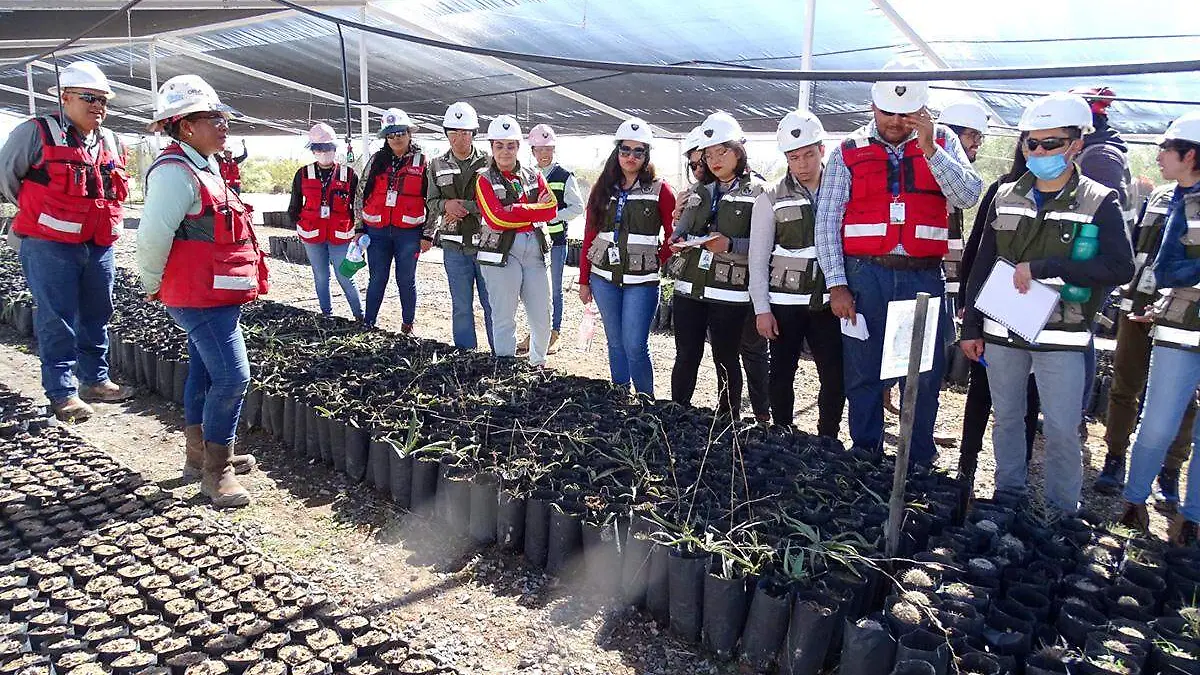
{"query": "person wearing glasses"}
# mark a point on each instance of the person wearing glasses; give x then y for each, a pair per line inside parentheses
(882, 232)
(392, 212)
(786, 286)
(1175, 358)
(711, 243)
(1034, 223)
(198, 255)
(66, 174)
(624, 243)
(514, 201)
(450, 199)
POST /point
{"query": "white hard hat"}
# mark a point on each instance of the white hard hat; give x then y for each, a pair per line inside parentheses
(1057, 110)
(692, 141)
(900, 97)
(460, 116)
(798, 129)
(718, 128)
(542, 136)
(634, 129)
(1186, 128)
(967, 114)
(83, 75)
(395, 121)
(183, 95)
(321, 134)
(504, 128)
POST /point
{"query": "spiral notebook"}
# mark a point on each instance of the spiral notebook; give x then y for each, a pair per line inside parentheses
(1025, 314)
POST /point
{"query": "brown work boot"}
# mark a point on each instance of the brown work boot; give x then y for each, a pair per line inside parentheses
(105, 392)
(523, 348)
(72, 409)
(218, 481)
(1182, 532)
(193, 463)
(553, 347)
(1136, 517)
(406, 329)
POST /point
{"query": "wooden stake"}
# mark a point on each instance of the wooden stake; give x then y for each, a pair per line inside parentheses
(907, 416)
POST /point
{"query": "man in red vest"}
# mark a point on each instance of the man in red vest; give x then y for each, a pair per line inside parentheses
(231, 171)
(882, 231)
(66, 174)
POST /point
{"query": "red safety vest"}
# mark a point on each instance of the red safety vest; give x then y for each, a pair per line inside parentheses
(215, 260)
(867, 228)
(70, 197)
(231, 173)
(325, 213)
(407, 208)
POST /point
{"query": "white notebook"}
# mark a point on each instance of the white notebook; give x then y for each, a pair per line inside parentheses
(1022, 313)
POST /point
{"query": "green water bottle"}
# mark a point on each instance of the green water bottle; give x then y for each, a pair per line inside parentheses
(1087, 244)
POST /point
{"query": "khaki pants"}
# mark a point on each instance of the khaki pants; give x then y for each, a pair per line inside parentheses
(1131, 368)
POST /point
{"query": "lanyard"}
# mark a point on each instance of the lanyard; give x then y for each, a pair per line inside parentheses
(716, 203)
(622, 197)
(325, 182)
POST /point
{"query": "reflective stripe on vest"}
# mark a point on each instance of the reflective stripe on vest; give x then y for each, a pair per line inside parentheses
(794, 298)
(1062, 338)
(1178, 336)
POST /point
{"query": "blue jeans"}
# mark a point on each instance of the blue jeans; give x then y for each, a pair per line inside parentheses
(558, 260)
(465, 278)
(388, 244)
(320, 257)
(218, 370)
(1174, 374)
(1059, 377)
(627, 312)
(874, 286)
(1089, 374)
(72, 287)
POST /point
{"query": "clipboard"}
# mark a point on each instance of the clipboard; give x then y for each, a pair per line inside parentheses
(1025, 314)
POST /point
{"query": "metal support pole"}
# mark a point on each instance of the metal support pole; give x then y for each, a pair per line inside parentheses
(29, 89)
(154, 89)
(806, 56)
(363, 93)
(908, 411)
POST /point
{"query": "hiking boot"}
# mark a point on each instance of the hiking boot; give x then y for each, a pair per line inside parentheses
(1182, 532)
(193, 463)
(763, 418)
(105, 392)
(218, 482)
(1136, 517)
(1112, 477)
(553, 347)
(944, 439)
(406, 329)
(1166, 492)
(72, 409)
(523, 348)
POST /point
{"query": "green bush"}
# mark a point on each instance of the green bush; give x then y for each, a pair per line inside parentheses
(268, 176)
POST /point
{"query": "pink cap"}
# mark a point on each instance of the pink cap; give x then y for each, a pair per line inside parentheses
(542, 135)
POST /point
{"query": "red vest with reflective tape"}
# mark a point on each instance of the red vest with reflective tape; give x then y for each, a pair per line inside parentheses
(215, 260)
(70, 197)
(867, 228)
(231, 173)
(338, 227)
(407, 184)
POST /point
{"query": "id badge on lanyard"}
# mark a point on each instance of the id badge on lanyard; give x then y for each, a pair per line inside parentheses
(706, 259)
(391, 198)
(896, 213)
(325, 211)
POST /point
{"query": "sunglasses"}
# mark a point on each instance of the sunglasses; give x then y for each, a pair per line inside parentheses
(92, 99)
(902, 116)
(1047, 144)
(396, 136)
(695, 165)
(627, 151)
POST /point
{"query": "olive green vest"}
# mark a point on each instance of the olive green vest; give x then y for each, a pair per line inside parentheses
(1024, 234)
(1177, 313)
(1140, 292)
(952, 262)
(457, 181)
(795, 276)
(494, 245)
(630, 256)
(716, 277)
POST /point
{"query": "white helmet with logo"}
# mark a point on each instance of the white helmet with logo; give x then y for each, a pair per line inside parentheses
(320, 134)
(634, 129)
(691, 142)
(542, 136)
(967, 114)
(183, 95)
(1186, 128)
(798, 129)
(395, 121)
(720, 127)
(83, 75)
(461, 116)
(900, 97)
(1057, 110)
(504, 128)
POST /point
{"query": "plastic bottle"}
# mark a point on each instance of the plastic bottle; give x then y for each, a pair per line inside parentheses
(587, 327)
(355, 258)
(1087, 244)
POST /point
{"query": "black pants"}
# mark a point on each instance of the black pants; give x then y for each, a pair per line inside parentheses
(692, 321)
(975, 418)
(824, 334)
(756, 362)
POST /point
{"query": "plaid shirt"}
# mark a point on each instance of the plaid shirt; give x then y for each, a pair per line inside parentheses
(949, 165)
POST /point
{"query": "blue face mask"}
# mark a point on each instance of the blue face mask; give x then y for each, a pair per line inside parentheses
(1047, 167)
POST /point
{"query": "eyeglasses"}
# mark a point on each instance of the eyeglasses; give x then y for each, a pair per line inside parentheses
(1047, 144)
(396, 136)
(695, 165)
(217, 119)
(718, 152)
(459, 132)
(627, 151)
(91, 99)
